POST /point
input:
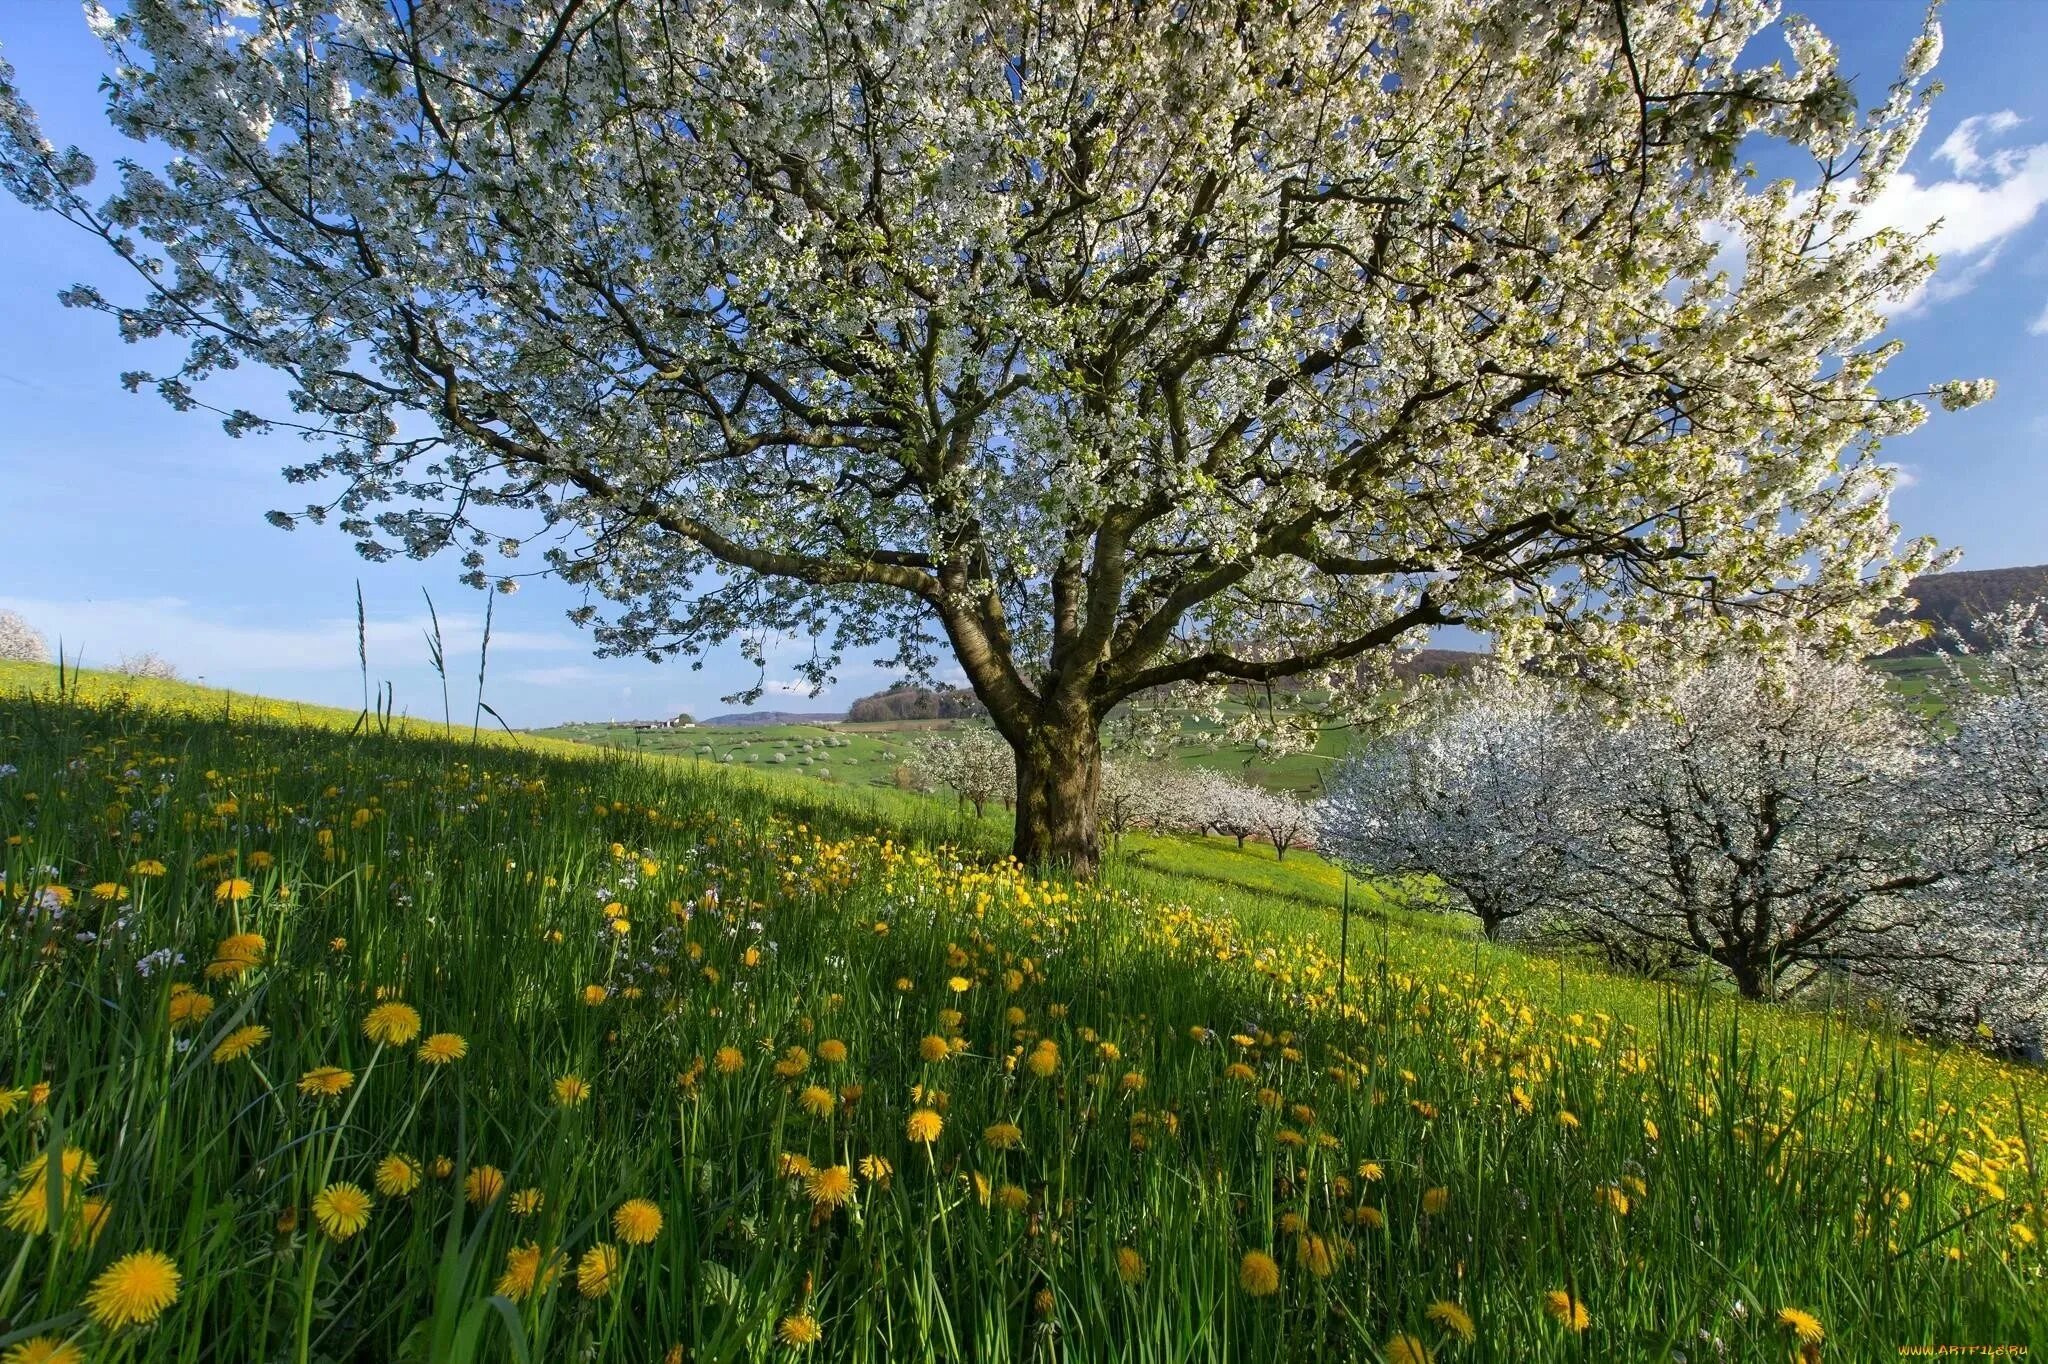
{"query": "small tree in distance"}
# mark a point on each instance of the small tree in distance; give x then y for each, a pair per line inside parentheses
(20, 642)
(1112, 349)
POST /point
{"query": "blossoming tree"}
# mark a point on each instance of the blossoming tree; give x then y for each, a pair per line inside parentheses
(1112, 348)
(1481, 788)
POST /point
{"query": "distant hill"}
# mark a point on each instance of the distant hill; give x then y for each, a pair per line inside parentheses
(1438, 662)
(908, 701)
(1952, 601)
(776, 717)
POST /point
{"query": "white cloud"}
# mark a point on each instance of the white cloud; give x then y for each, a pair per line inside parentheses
(789, 687)
(1959, 148)
(1994, 194)
(203, 643)
(1904, 476)
(2039, 326)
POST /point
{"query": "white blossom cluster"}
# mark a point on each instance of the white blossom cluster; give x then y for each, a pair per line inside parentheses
(20, 642)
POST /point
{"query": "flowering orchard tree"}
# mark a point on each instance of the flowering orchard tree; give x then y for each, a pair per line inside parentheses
(1227, 805)
(1767, 818)
(1115, 348)
(975, 764)
(1481, 788)
(21, 642)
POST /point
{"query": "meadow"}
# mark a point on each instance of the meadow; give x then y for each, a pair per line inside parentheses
(320, 1044)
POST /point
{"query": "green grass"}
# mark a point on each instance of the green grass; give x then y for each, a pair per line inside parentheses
(1796, 1161)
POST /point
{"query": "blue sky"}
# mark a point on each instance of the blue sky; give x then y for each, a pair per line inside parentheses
(131, 527)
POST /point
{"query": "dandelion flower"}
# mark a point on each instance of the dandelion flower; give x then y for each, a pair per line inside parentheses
(233, 889)
(392, 1024)
(134, 1290)
(527, 1202)
(799, 1331)
(1452, 1318)
(933, 1048)
(1315, 1255)
(325, 1082)
(876, 1169)
(236, 954)
(1406, 1349)
(1258, 1274)
(442, 1048)
(832, 1052)
(1002, 1136)
(1130, 1265)
(924, 1126)
(817, 1101)
(526, 1272)
(571, 1091)
(1435, 1200)
(1567, 1310)
(729, 1061)
(397, 1175)
(189, 1007)
(1805, 1325)
(829, 1186)
(637, 1222)
(483, 1184)
(342, 1210)
(45, 1350)
(597, 1273)
(240, 1043)
(1044, 1060)
(958, 985)
(28, 1210)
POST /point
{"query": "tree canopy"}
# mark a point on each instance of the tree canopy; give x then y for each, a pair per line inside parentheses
(1108, 348)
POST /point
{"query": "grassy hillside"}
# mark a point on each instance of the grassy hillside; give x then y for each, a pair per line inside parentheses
(884, 1097)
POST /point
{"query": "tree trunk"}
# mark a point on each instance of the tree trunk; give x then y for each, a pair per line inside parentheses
(1059, 786)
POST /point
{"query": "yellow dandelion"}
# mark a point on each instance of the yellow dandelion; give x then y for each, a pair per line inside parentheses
(637, 1222)
(1407, 1349)
(45, 1350)
(528, 1272)
(1002, 1136)
(233, 889)
(958, 985)
(442, 1048)
(1567, 1310)
(240, 1043)
(1650, 1129)
(817, 1101)
(148, 866)
(1805, 1325)
(933, 1048)
(924, 1126)
(526, 1202)
(1130, 1265)
(1044, 1060)
(729, 1061)
(799, 1331)
(392, 1024)
(189, 1007)
(325, 1082)
(832, 1052)
(1314, 1254)
(597, 1273)
(483, 1184)
(829, 1186)
(1258, 1274)
(28, 1210)
(876, 1169)
(134, 1290)
(342, 1210)
(238, 953)
(1435, 1200)
(571, 1090)
(594, 995)
(1452, 1318)
(397, 1175)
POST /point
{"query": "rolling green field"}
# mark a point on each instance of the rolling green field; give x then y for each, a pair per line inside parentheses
(392, 1046)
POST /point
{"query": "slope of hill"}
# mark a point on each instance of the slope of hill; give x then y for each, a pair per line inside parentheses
(1954, 601)
(576, 1055)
